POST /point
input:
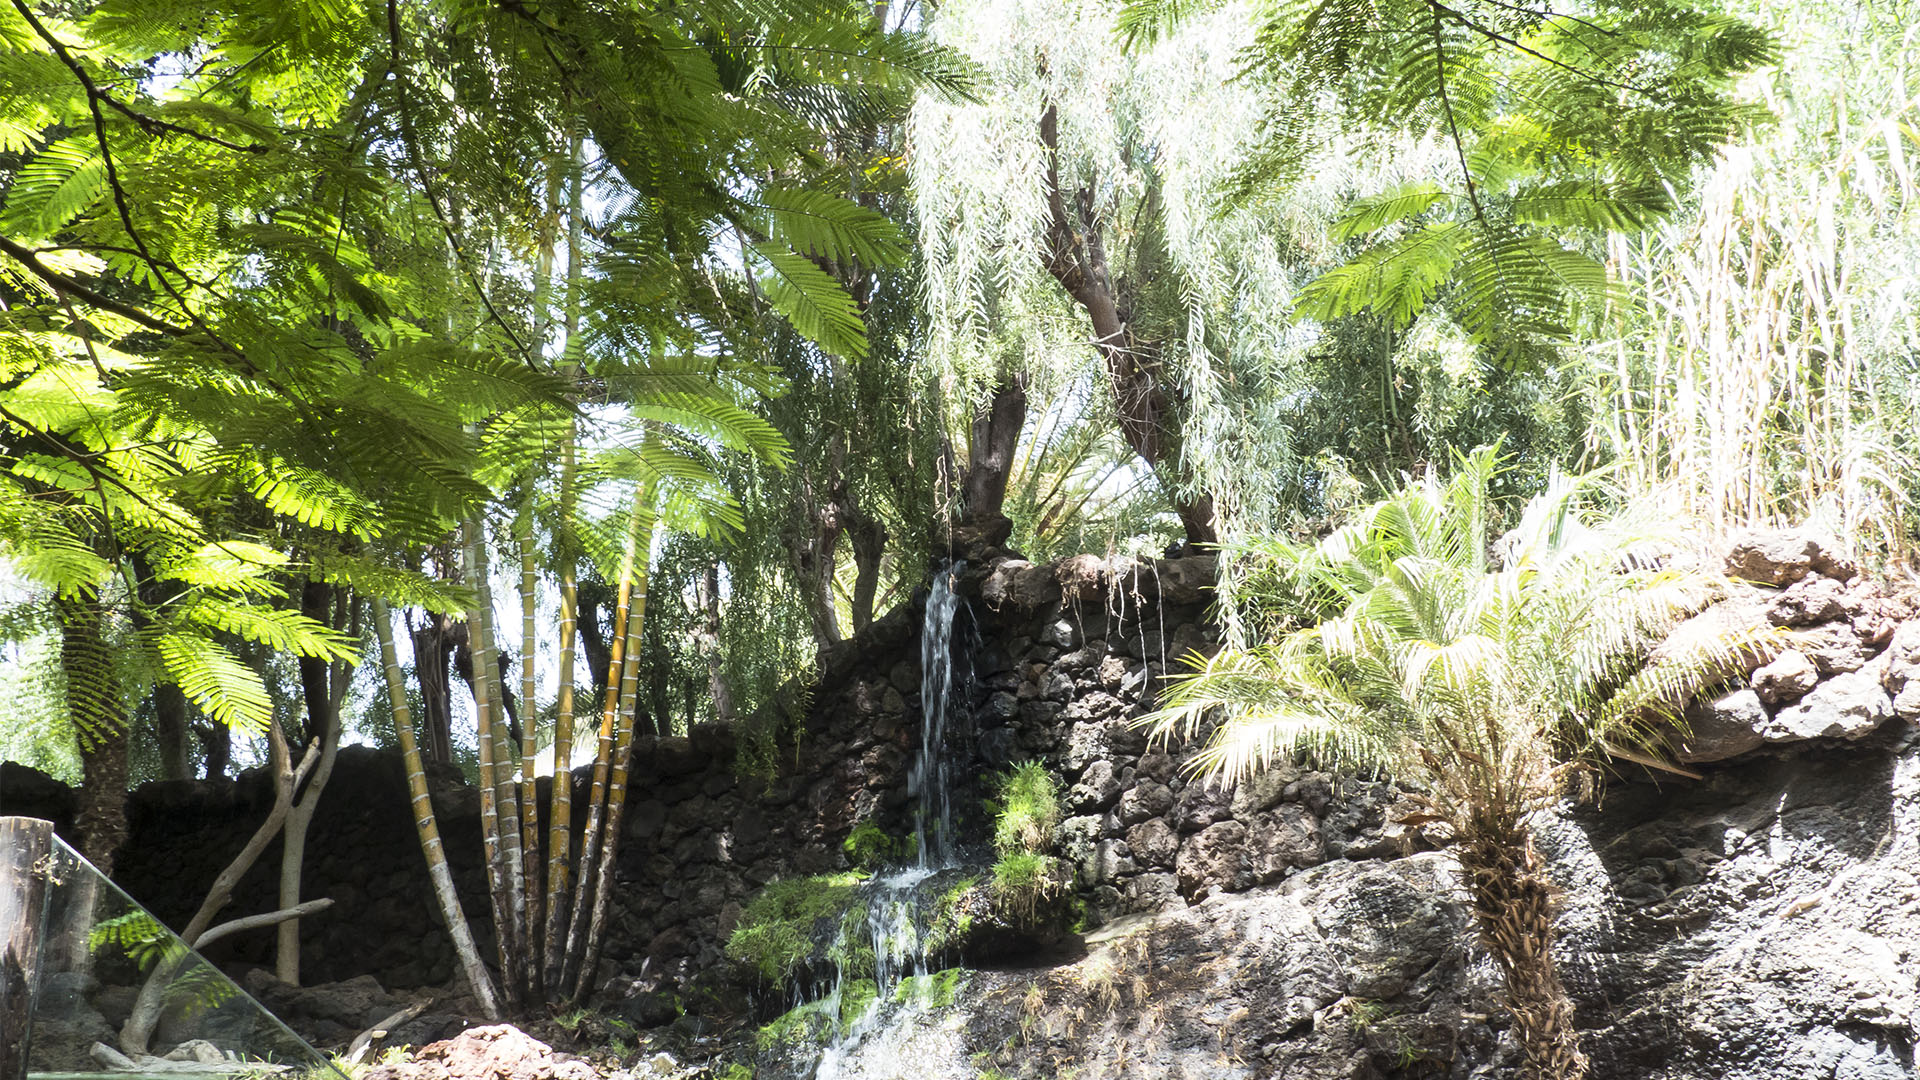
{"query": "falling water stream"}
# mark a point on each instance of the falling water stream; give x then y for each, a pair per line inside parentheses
(897, 903)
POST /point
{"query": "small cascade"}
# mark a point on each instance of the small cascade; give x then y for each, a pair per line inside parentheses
(902, 907)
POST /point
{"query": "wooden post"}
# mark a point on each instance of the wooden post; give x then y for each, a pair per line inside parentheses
(26, 850)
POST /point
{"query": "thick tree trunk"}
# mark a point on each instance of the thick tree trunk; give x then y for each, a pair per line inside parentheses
(170, 711)
(216, 748)
(93, 701)
(170, 714)
(1149, 407)
(813, 549)
(593, 596)
(433, 646)
(1514, 908)
(869, 539)
(990, 451)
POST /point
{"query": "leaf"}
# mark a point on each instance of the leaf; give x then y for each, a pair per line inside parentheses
(817, 305)
(1375, 212)
(228, 690)
(828, 226)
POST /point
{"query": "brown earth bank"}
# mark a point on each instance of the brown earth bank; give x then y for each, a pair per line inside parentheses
(1757, 921)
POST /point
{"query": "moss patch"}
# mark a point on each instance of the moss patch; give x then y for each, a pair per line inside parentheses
(819, 1021)
(870, 847)
(935, 991)
(780, 926)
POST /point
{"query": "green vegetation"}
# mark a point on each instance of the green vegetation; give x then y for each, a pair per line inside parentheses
(783, 924)
(818, 1021)
(1027, 813)
(1029, 809)
(1490, 680)
(951, 918)
(935, 991)
(312, 313)
(870, 847)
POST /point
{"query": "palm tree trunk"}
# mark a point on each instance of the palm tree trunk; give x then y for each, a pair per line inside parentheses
(456, 919)
(1514, 908)
(93, 701)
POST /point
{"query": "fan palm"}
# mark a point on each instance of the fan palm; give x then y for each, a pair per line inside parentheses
(1485, 678)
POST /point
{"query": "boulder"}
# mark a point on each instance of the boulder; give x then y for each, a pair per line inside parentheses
(1216, 859)
(497, 1052)
(1902, 677)
(1784, 556)
(1725, 727)
(1848, 706)
(1790, 675)
(1808, 602)
(1019, 585)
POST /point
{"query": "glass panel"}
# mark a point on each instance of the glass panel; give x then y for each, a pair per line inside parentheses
(105, 960)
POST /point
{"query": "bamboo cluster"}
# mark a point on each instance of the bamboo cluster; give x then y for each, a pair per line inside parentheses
(547, 926)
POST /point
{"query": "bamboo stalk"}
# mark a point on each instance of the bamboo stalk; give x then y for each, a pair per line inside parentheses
(577, 929)
(478, 980)
(500, 890)
(529, 791)
(560, 801)
(617, 781)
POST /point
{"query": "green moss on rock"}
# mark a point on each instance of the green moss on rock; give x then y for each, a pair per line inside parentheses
(778, 930)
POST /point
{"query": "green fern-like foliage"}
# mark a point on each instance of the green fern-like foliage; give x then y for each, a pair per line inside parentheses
(1562, 125)
(268, 311)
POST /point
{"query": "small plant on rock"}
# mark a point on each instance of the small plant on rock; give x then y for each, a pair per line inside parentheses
(781, 924)
(1025, 874)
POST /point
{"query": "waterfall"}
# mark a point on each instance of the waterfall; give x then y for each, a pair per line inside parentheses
(898, 903)
(930, 780)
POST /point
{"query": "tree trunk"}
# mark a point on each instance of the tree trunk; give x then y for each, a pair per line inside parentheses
(216, 748)
(325, 690)
(592, 596)
(93, 701)
(170, 712)
(708, 590)
(437, 872)
(812, 548)
(1149, 407)
(433, 646)
(26, 845)
(869, 539)
(1513, 906)
(170, 731)
(137, 1032)
(990, 451)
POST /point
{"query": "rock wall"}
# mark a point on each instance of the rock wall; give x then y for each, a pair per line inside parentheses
(1759, 921)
